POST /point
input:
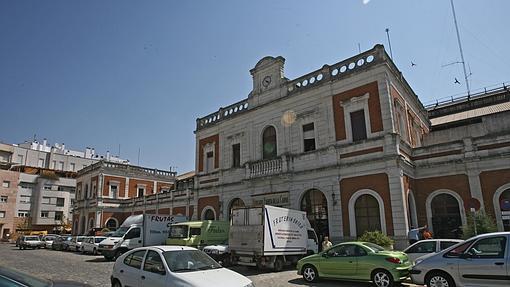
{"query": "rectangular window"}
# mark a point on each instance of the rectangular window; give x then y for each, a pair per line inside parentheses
(6, 184)
(54, 164)
(45, 214)
(40, 163)
(2, 214)
(3, 198)
(209, 162)
(60, 201)
(24, 198)
(23, 213)
(236, 155)
(114, 189)
(72, 166)
(358, 125)
(308, 137)
(47, 187)
(60, 165)
(59, 215)
(141, 191)
(45, 200)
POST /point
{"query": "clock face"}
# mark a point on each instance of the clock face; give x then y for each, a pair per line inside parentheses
(266, 81)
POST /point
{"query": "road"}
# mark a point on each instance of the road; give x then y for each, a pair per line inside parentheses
(95, 271)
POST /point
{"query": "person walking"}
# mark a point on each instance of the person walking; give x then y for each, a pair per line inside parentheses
(414, 234)
(326, 244)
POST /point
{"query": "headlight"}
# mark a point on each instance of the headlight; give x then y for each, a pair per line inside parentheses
(250, 285)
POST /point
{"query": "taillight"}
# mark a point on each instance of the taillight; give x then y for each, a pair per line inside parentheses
(393, 260)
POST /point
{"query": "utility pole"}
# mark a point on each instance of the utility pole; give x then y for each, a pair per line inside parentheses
(460, 49)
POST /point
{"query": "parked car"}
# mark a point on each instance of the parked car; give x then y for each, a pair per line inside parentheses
(28, 241)
(90, 245)
(167, 265)
(75, 243)
(356, 261)
(13, 278)
(424, 247)
(48, 240)
(61, 242)
(219, 252)
(482, 260)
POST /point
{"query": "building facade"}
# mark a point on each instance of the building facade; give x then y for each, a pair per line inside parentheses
(107, 193)
(352, 145)
(8, 191)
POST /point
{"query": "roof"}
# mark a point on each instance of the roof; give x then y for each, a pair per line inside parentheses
(186, 175)
(471, 114)
(173, 247)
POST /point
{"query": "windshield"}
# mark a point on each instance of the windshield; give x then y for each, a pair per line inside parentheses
(49, 238)
(376, 248)
(32, 238)
(178, 231)
(120, 232)
(80, 239)
(189, 261)
(99, 239)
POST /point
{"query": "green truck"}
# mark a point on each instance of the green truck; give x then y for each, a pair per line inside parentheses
(198, 233)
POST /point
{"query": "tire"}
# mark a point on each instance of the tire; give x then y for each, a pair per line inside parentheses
(310, 273)
(382, 278)
(278, 264)
(118, 254)
(116, 283)
(20, 248)
(436, 279)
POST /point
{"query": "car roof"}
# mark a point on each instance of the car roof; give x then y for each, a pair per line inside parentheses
(504, 233)
(171, 247)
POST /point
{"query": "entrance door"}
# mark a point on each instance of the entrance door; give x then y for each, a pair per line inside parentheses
(316, 206)
(446, 219)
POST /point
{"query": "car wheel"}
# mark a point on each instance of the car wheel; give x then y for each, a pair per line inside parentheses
(20, 247)
(116, 283)
(439, 279)
(310, 273)
(118, 254)
(382, 278)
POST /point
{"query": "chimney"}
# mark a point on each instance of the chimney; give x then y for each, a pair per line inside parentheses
(108, 155)
(93, 151)
(64, 147)
(45, 141)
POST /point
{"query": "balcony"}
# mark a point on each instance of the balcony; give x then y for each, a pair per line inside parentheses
(266, 167)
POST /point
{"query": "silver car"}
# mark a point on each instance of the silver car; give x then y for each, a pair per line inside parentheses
(483, 260)
(424, 247)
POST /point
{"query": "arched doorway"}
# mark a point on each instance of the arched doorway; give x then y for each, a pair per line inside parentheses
(235, 203)
(111, 224)
(504, 206)
(367, 214)
(316, 206)
(269, 147)
(208, 214)
(446, 218)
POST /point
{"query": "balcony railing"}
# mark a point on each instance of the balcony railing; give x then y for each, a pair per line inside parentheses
(266, 167)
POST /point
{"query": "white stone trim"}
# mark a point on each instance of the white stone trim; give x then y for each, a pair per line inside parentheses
(496, 204)
(302, 135)
(352, 105)
(209, 147)
(352, 213)
(208, 207)
(429, 207)
(114, 183)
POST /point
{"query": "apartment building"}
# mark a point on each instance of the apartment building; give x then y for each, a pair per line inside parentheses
(353, 146)
(8, 190)
(107, 193)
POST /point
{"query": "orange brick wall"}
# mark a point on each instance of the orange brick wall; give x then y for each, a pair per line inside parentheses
(213, 201)
(133, 191)
(490, 182)
(106, 185)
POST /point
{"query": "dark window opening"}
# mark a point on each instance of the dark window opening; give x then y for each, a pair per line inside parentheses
(308, 137)
(269, 143)
(358, 125)
(236, 155)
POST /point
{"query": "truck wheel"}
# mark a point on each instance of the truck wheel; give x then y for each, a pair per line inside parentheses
(278, 264)
(310, 274)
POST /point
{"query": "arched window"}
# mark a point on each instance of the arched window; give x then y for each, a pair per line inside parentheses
(209, 215)
(316, 206)
(237, 202)
(504, 205)
(269, 149)
(367, 213)
(446, 218)
(111, 224)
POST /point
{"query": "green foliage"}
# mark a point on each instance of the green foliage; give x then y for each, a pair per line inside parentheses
(484, 224)
(376, 237)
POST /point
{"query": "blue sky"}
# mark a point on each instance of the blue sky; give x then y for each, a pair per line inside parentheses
(139, 73)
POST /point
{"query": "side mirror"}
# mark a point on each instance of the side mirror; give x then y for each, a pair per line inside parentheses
(325, 255)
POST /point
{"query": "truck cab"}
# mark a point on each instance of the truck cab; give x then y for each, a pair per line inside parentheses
(198, 233)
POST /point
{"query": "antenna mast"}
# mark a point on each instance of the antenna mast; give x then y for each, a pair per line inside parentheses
(389, 43)
(460, 48)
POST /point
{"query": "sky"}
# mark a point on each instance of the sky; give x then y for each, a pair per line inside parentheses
(139, 73)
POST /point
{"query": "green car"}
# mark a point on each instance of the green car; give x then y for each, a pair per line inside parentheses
(357, 261)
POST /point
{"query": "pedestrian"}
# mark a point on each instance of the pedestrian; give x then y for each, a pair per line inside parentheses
(426, 233)
(414, 234)
(326, 244)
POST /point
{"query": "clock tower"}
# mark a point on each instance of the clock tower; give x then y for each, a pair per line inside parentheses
(267, 78)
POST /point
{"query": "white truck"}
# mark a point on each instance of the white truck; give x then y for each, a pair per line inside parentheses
(137, 231)
(270, 237)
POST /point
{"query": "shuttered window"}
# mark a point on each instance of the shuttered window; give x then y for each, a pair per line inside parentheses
(358, 126)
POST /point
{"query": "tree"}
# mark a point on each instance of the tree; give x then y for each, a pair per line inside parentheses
(484, 224)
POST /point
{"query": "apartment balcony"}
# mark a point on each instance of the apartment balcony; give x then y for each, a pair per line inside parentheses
(267, 167)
